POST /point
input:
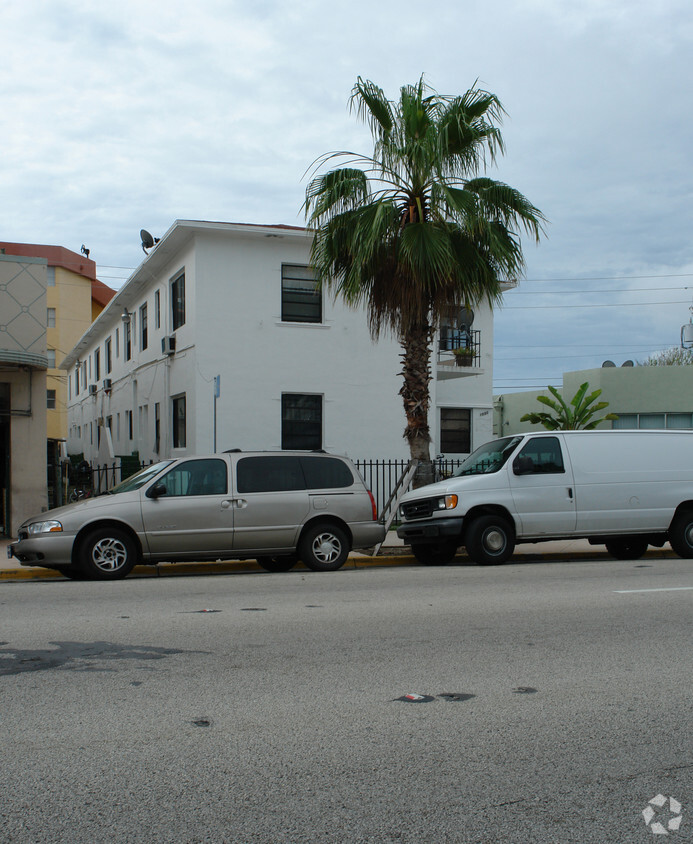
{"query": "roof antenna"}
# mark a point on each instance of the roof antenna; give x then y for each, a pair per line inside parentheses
(147, 240)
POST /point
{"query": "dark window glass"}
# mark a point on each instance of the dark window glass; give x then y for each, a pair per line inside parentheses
(197, 477)
(127, 340)
(455, 430)
(269, 474)
(50, 399)
(541, 456)
(143, 327)
(109, 360)
(326, 473)
(179, 436)
(301, 422)
(301, 295)
(97, 364)
(178, 302)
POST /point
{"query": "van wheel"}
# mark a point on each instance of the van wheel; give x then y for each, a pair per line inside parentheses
(277, 564)
(626, 547)
(681, 534)
(490, 540)
(439, 554)
(107, 554)
(324, 548)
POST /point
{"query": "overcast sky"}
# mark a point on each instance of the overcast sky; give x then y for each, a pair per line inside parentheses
(127, 115)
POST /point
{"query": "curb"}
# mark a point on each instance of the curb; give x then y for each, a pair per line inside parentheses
(362, 561)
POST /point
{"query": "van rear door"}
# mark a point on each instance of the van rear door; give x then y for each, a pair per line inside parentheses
(541, 482)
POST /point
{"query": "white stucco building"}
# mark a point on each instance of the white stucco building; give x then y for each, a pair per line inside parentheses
(233, 305)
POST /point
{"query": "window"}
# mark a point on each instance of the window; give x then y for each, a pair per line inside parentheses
(178, 301)
(283, 474)
(128, 421)
(51, 318)
(301, 421)
(301, 295)
(127, 341)
(179, 434)
(157, 309)
(50, 399)
(50, 354)
(673, 421)
(109, 358)
(77, 380)
(117, 343)
(50, 276)
(541, 456)
(143, 327)
(97, 364)
(157, 428)
(455, 430)
(197, 477)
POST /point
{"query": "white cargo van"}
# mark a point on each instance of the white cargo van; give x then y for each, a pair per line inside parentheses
(623, 489)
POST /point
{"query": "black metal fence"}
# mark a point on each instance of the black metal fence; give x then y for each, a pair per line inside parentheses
(381, 476)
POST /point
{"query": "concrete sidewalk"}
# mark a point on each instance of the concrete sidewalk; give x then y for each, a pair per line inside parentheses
(393, 552)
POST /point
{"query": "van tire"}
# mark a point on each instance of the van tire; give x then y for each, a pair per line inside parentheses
(436, 554)
(107, 554)
(626, 547)
(490, 540)
(323, 547)
(277, 564)
(681, 534)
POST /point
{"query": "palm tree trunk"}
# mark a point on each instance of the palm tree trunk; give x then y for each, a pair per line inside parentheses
(416, 343)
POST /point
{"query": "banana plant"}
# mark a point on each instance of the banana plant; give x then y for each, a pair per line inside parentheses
(578, 415)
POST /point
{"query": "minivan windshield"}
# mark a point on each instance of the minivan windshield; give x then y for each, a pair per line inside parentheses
(140, 478)
(489, 457)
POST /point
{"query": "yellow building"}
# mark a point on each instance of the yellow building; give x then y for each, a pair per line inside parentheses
(74, 298)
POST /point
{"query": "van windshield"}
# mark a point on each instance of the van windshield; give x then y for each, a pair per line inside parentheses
(489, 457)
(140, 478)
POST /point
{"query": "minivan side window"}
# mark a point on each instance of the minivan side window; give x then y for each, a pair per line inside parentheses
(540, 456)
(196, 477)
(269, 474)
(326, 473)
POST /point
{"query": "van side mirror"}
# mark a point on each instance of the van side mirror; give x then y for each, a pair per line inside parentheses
(523, 466)
(157, 490)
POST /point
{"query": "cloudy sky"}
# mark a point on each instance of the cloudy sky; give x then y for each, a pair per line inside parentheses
(127, 115)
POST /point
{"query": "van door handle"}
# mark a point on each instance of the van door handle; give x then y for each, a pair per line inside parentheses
(240, 503)
(570, 493)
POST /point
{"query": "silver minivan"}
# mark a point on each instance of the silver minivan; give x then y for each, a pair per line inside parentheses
(273, 507)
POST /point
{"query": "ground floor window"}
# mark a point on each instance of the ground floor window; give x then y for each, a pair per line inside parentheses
(179, 422)
(301, 421)
(672, 421)
(455, 430)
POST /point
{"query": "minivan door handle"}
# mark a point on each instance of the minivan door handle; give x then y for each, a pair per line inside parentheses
(240, 503)
(570, 493)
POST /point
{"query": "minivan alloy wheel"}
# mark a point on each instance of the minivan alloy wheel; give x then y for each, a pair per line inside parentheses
(324, 548)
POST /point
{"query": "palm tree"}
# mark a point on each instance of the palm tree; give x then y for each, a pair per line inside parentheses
(413, 229)
(577, 415)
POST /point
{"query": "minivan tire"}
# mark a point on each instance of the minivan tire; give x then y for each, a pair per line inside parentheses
(490, 540)
(681, 534)
(323, 547)
(107, 554)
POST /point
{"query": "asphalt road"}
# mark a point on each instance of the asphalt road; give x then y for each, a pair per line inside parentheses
(268, 708)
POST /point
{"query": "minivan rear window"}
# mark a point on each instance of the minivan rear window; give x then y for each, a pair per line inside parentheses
(278, 473)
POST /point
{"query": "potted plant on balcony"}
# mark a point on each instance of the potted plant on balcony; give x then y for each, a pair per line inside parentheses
(464, 356)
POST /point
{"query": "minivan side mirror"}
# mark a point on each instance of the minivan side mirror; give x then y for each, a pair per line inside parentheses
(157, 490)
(523, 466)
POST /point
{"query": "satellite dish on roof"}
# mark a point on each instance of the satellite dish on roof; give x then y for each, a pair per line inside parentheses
(147, 240)
(627, 363)
(466, 318)
(607, 364)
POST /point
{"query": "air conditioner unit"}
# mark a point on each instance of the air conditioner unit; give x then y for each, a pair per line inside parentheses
(168, 345)
(92, 389)
(107, 384)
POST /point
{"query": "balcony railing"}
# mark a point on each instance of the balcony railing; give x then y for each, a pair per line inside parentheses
(460, 348)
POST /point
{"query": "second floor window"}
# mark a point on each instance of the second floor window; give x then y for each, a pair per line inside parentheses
(127, 340)
(51, 318)
(178, 301)
(143, 327)
(109, 358)
(301, 295)
(97, 365)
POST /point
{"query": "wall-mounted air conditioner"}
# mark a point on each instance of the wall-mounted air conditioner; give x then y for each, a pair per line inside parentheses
(168, 344)
(92, 389)
(107, 384)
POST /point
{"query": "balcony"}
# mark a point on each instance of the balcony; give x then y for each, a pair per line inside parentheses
(459, 354)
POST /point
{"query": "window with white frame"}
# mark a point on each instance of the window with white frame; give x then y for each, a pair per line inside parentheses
(143, 327)
(301, 421)
(178, 301)
(178, 417)
(50, 355)
(50, 318)
(455, 430)
(301, 294)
